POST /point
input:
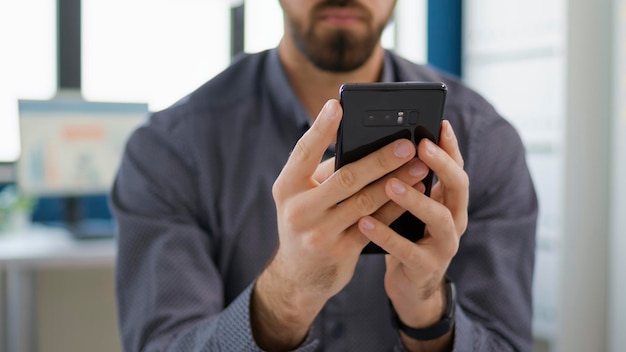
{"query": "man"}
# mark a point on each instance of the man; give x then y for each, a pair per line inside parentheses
(230, 236)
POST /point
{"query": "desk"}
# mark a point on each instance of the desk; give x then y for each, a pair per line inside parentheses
(21, 253)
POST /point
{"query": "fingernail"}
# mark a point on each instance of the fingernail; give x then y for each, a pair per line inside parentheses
(403, 149)
(397, 187)
(330, 110)
(367, 224)
(430, 147)
(417, 168)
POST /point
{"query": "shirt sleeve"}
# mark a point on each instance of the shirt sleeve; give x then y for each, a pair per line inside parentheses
(169, 290)
(493, 270)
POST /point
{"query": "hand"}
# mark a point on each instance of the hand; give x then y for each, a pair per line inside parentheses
(319, 241)
(414, 275)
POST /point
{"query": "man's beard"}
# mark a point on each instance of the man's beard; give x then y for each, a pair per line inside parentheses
(339, 51)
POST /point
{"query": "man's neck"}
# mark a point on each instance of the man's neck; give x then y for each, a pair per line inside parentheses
(314, 86)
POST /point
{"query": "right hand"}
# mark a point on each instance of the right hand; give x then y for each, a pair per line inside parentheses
(317, 212)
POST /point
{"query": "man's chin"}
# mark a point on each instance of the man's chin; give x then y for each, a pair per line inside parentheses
(328, 33)
(338, 51)
(338, 64)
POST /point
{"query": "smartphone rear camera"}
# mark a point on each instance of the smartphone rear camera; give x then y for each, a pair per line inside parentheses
(385, 118)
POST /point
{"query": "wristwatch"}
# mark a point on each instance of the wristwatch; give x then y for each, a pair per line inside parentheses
(445, 325)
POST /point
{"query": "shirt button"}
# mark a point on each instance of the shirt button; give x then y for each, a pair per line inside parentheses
(337, 330)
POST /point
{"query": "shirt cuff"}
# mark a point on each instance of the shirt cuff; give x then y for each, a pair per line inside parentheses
(235, 331)
(464, 332)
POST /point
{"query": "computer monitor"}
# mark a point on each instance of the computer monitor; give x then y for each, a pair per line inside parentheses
(7, 172)
(9, 144)
(71, 148)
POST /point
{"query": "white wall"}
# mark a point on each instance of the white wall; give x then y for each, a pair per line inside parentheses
(583, 309)
(617, 273)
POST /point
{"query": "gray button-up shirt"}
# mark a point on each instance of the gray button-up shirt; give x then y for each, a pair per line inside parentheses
(197, 221)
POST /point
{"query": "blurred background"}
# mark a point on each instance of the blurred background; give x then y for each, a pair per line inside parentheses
(77, 76)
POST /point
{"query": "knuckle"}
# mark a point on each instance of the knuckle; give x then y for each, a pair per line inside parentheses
(365, 203)
(277, 190)
(386, 240)
(315, 238)
(346, 177)
(461, 224)
(451, 248)
(317, 127)
(409, 253)
(294, 215)
(301, 151)
(461, 161)
(289, 222)
(382, 161)
(443, 216)
(464, 182)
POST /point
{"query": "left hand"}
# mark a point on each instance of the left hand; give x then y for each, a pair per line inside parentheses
(415, 271)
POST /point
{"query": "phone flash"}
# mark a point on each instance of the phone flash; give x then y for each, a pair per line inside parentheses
(400, 117)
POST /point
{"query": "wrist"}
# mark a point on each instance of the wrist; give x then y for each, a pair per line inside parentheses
(286, 296)
(420, 310)
(441, 326)
(280, 313)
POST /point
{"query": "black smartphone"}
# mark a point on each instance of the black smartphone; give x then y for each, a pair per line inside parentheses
(376, 114)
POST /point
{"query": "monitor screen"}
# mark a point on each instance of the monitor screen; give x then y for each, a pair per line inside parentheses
(9, 140)
(7, 173)
(72, 147)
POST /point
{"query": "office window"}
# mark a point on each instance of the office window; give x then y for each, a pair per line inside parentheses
(153, 51)
(263, 25)
(27, 63)
(146, 51)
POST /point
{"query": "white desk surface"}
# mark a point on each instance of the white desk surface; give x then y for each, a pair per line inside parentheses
(26, 250)
(39, 246)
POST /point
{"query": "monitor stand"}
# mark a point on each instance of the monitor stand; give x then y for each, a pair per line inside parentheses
(82, 228)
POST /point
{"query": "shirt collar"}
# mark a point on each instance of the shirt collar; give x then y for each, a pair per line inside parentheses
(281, 91)
(284, 97)
(388, 74)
